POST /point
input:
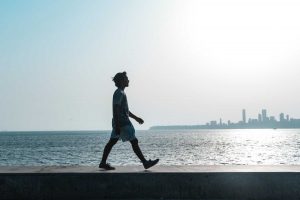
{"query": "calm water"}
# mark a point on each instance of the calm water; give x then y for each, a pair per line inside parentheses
(184, 147)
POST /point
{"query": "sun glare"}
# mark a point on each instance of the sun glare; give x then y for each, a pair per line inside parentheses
(241, 40)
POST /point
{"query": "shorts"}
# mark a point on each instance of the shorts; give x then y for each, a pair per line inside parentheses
(127, 133)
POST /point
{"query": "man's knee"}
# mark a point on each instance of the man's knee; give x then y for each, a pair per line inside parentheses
(134, 142)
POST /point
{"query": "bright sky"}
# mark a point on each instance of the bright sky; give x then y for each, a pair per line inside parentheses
(188, 61)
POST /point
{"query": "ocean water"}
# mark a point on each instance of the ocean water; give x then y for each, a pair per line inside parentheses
(180, 147)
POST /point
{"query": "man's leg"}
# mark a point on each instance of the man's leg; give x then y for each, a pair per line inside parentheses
(146, 163)
(137, 150)
(107, 149)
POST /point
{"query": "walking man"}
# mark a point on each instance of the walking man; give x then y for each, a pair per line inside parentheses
(122, 127)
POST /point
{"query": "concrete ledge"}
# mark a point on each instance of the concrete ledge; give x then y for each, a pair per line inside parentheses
(162, 182)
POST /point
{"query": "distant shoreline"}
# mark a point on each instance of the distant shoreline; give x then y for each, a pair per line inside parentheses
(191, 127)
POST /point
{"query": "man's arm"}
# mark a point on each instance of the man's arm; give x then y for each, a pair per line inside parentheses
(139, 120)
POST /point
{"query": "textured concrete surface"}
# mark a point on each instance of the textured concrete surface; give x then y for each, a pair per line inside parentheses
(160, 182)
(155, 169)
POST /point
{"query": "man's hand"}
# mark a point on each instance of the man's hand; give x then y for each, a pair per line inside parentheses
(139, 120)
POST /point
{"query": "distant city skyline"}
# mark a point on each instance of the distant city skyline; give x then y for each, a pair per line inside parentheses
(262, 121)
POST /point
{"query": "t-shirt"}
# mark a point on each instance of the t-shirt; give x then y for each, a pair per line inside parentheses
(119, 98)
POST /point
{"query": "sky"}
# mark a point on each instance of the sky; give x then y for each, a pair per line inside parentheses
(188, 61)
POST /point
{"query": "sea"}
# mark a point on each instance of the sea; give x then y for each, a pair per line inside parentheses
(172, 147)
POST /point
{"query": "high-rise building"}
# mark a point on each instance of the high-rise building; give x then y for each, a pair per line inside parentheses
(264, 115)
(281, 117)
(244, 116)
(287, 117)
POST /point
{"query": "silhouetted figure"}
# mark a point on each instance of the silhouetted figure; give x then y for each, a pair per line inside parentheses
(122, 127)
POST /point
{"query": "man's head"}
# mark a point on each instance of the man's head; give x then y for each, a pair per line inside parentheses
(121, 80)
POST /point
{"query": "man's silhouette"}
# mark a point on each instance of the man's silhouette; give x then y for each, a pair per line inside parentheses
(122, 127)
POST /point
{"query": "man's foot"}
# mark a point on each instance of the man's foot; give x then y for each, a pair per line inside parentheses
(106, 166)
(149, 163)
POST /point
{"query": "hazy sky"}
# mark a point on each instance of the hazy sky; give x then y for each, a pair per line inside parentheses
(188, 62)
